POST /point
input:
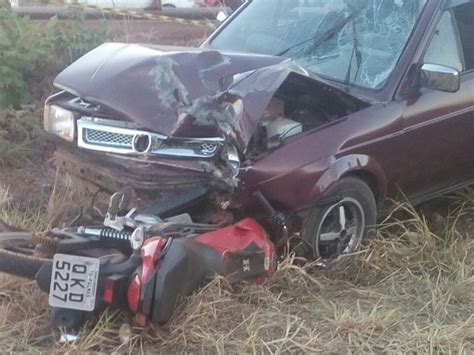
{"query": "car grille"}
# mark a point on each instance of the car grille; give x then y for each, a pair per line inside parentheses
(209, 148)
(97, 137)
(108, 136)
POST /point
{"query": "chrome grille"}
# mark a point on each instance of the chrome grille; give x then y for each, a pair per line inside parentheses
(209, 148)
(93, 136)
(107, 136)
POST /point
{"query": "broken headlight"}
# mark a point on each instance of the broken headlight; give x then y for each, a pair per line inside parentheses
(59, 122)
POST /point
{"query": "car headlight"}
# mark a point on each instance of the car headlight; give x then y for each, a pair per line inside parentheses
(59, 122)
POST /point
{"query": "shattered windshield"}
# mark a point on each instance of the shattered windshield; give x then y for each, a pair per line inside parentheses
(357, 42)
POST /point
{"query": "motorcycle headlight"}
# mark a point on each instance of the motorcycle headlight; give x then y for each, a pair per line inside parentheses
(60, 122)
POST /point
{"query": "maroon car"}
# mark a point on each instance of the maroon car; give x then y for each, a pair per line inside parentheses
(312, 111)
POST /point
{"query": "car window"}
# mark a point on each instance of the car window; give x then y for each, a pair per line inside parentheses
(464, 15)
(444, 48)
(356, 42)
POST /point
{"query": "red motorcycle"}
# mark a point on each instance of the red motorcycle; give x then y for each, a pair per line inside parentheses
(140, 262)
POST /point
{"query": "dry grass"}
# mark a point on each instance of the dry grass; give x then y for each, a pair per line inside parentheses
(410, 292)
(38, 206)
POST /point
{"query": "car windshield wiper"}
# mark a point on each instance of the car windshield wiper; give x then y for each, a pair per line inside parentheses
(323, 37)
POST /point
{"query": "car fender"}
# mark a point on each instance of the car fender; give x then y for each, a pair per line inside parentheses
(356, 165)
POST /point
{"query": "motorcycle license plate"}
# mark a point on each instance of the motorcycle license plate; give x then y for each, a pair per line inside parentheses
(74, 282)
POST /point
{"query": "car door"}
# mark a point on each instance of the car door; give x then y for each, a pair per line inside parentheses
(438, 127)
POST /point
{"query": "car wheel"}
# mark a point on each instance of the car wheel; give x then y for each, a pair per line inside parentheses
(342, 221)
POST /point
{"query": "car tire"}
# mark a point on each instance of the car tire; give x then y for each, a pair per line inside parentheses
(342, 221)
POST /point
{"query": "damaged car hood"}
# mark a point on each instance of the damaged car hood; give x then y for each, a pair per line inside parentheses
(177, 93)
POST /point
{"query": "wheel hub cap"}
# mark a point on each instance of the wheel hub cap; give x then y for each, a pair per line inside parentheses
(341, 229)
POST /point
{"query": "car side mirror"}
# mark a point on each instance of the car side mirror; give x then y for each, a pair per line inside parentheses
(440, 77)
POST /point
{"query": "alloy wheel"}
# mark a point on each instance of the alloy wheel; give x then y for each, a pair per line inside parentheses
(341, 229)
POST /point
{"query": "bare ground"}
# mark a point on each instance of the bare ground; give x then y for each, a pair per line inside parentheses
(411, 291)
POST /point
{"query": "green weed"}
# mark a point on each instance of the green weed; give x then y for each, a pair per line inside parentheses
(32, 52)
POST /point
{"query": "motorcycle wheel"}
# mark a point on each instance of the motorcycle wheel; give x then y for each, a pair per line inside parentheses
(17, 255)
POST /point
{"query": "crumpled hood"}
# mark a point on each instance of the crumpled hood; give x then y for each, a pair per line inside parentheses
(173, 92)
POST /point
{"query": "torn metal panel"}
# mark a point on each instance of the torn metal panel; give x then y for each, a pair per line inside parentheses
(113, 172)
(181, 93)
